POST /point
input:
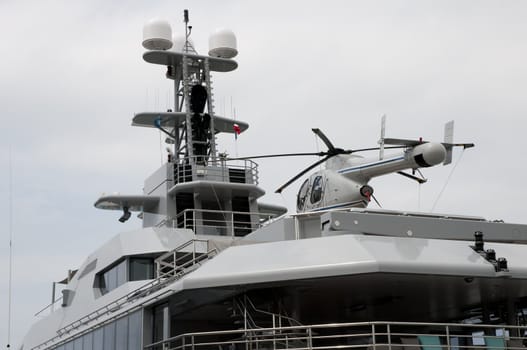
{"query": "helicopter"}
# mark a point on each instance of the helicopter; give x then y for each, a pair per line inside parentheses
(343, 183)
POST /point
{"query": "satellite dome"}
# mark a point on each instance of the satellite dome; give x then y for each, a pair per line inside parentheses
(222, 43)
(178, 41)
(157, 35)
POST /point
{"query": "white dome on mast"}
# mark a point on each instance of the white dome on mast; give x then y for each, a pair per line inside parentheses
(157, 35)
(222, 43)
(178, 41)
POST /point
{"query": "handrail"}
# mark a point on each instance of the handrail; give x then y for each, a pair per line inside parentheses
(247, 316)
(273, 315)
(215, 211)
(216, 167)
(225, 221)
(182, 246)
(364, 335)
(48, 306)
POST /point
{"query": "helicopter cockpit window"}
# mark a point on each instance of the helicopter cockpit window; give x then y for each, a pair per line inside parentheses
(316, 190)
(302, 194)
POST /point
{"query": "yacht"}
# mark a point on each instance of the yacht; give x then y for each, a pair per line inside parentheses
(214, 268)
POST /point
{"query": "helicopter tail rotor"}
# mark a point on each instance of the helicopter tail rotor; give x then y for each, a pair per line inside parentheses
(449, 139)
(381, 140)
(449, 142)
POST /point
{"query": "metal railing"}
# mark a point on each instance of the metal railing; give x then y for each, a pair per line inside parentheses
(221, 222)
(180, 260)
(216, 169)
(279, 320)
(50, 306)
(362, 335)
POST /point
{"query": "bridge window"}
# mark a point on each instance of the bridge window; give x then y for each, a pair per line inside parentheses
(317, 190)
(141, 269)
(130, 269)
(113, 277)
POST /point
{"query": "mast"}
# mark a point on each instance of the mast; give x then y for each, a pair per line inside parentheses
(196, 188)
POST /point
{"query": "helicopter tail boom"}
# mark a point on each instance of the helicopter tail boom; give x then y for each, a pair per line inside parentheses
(421, 156)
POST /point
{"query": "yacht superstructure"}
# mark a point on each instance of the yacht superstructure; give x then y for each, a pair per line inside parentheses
(214, 268)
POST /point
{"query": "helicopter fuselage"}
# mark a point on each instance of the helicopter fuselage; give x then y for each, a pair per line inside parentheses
(344, 182)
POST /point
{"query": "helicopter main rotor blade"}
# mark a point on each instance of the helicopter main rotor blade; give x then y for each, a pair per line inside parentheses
(464, 145)
(349, 151)
(300, 174)
(320, 154)
(324, 138)
(405, 142)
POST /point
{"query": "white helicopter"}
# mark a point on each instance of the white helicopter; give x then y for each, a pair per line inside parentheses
(344, 181)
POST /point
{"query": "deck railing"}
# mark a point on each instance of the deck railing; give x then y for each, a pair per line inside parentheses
(221, 222)
(183, 258)
(216, 169)
(362, 335)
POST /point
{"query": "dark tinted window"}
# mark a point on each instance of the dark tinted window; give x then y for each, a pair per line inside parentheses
(134, 331)
(121, 334)
(98, 338)
(87, 341)
(113, 278)
(77, 344)
(302, 194)
(141, 269)
(132, 269)
(316, 190)
(121, 273)
(109, 336)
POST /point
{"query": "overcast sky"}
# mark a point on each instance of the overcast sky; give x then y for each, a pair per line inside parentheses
(72, 76)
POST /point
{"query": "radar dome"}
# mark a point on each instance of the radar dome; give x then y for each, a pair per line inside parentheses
(178, 41)
(157, 35)
(222, 43)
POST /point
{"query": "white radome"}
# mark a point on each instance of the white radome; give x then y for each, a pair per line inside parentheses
(178, 42)
(222, 43)
(157, 35)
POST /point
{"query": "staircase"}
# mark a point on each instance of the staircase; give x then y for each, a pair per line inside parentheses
(264, 329)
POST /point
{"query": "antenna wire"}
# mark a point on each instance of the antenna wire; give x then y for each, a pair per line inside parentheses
(447, 181)
(10, 249)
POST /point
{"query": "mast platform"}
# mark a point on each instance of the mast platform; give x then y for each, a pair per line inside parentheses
(171, 58)
(175, 119)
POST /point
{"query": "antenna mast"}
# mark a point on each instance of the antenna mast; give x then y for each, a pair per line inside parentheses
(10, 249)
(188, 30)
(185, 19)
